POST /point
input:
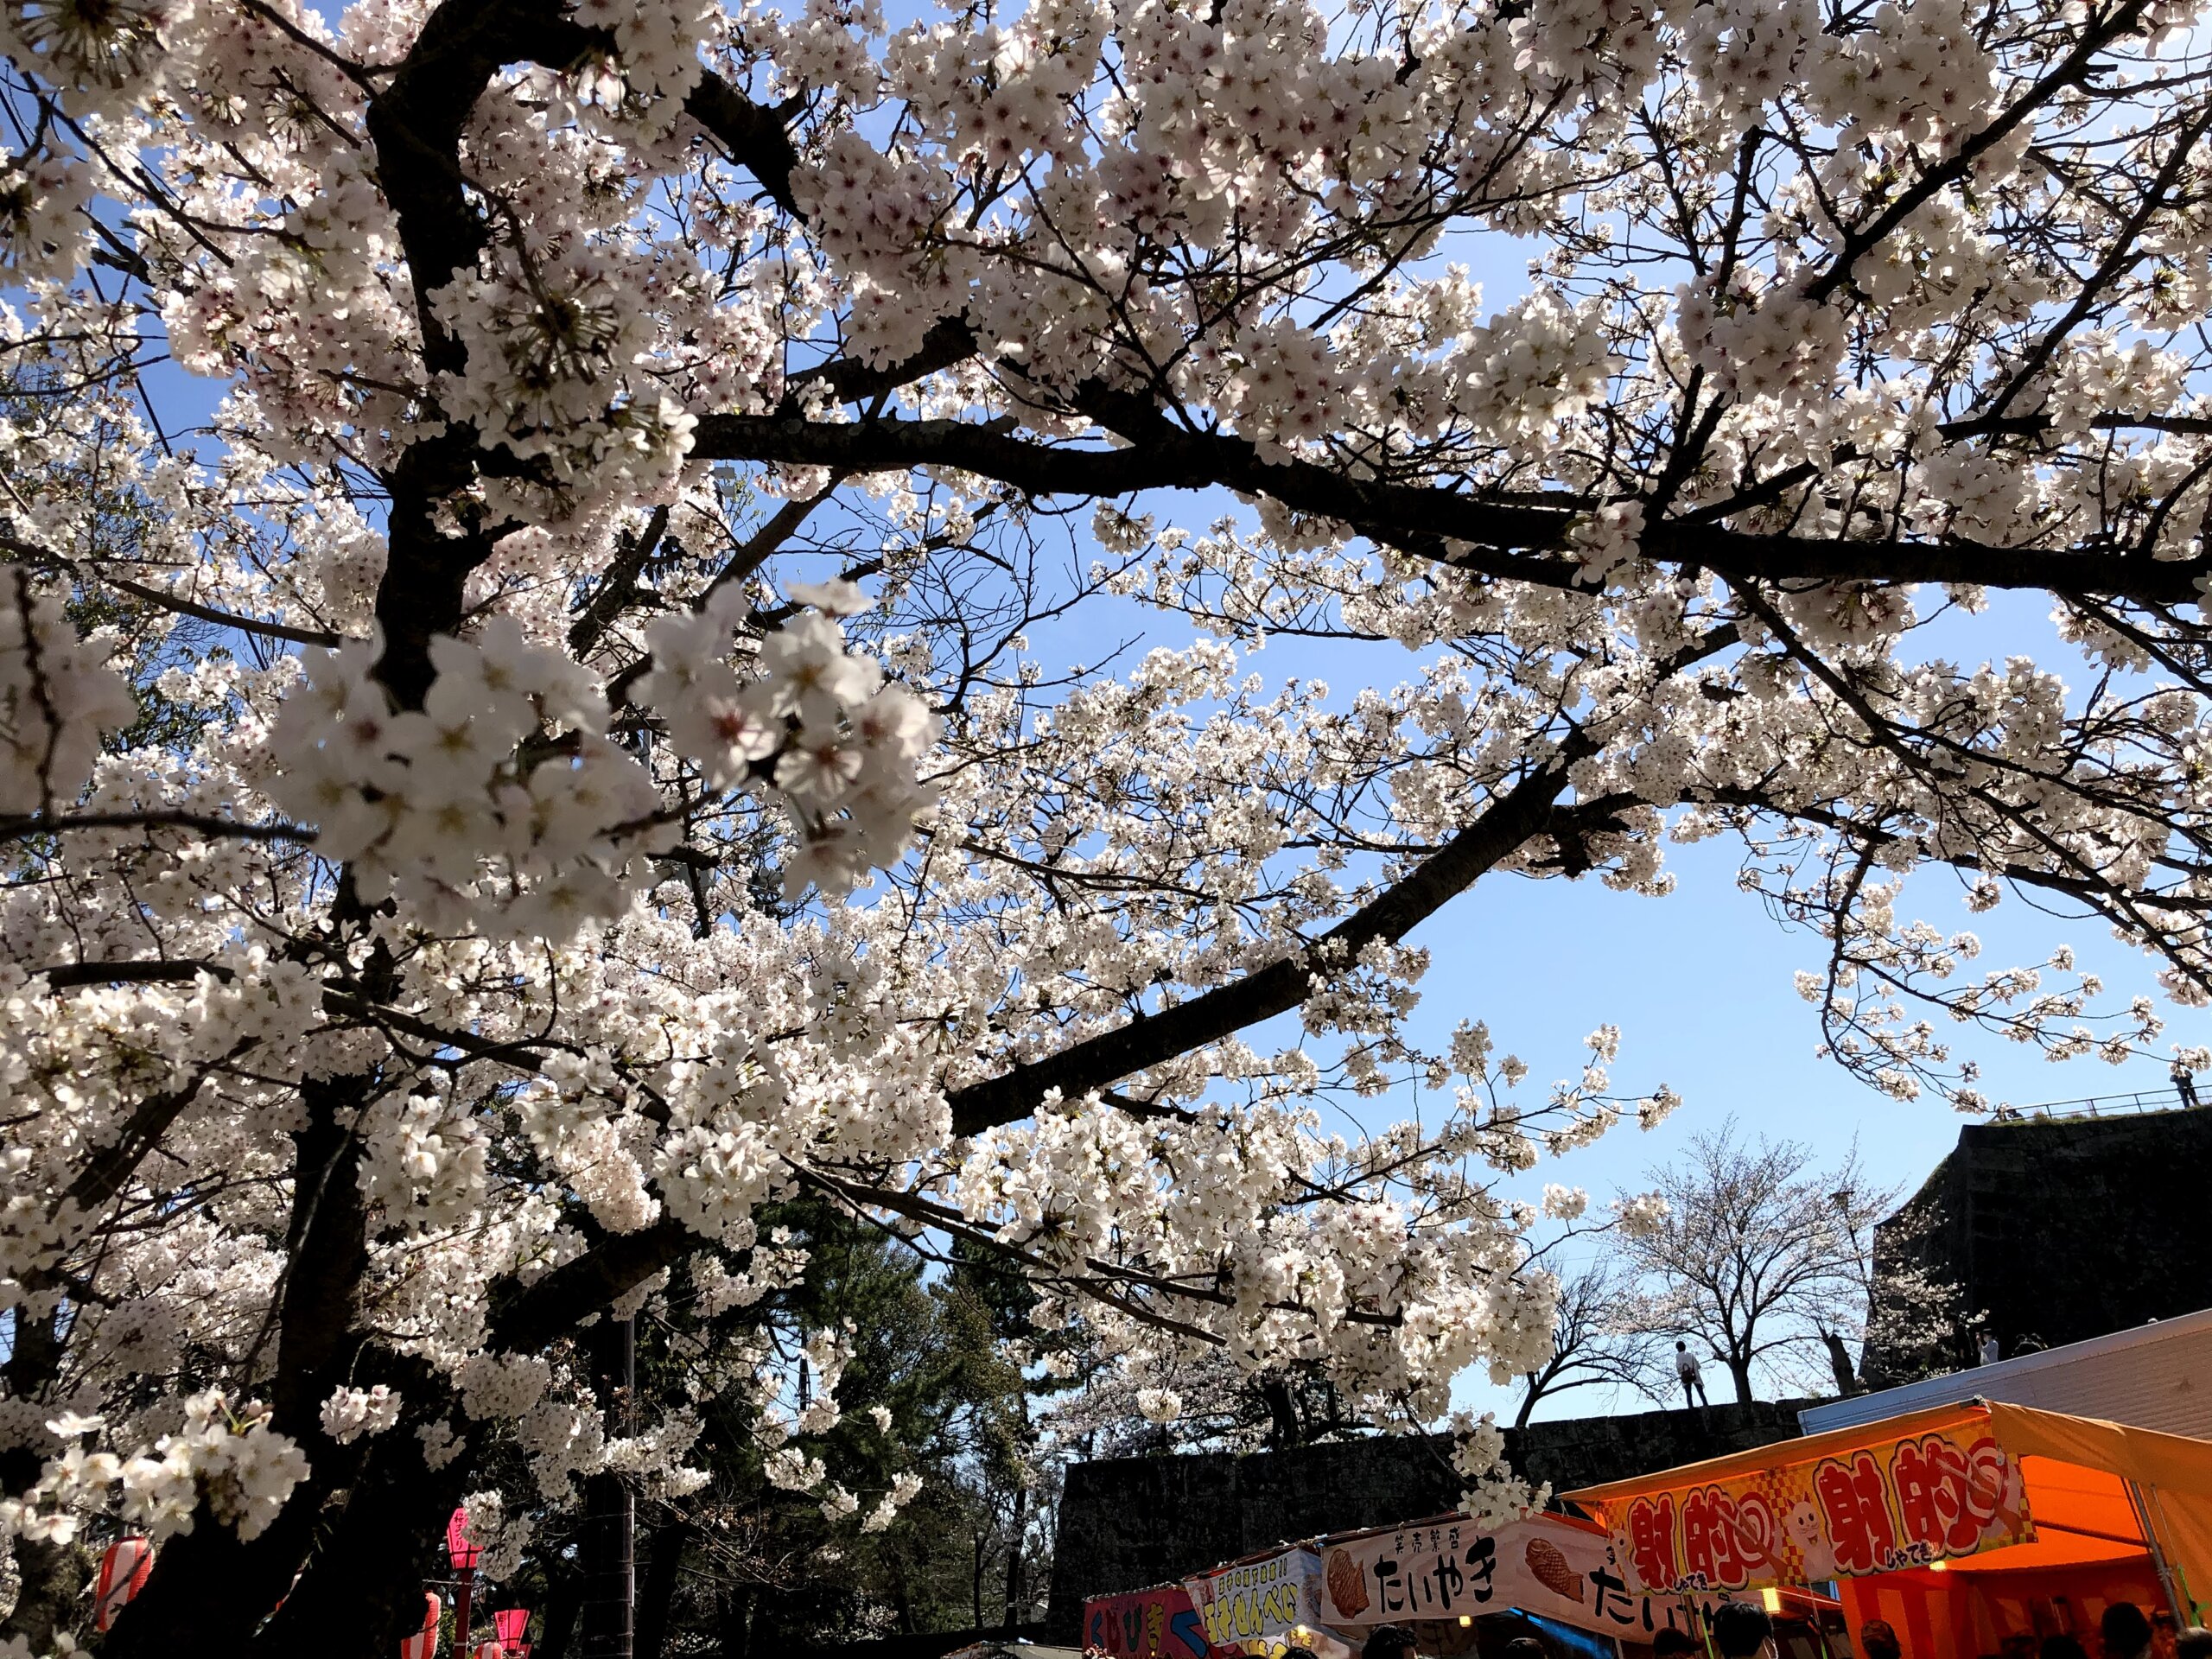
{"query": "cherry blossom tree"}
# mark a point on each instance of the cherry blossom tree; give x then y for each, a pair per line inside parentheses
(527, 729)
(1919, 1324)
(1599, 1339)
(1758, 1262)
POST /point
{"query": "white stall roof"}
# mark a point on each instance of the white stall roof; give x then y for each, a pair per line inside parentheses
(2157, 1375)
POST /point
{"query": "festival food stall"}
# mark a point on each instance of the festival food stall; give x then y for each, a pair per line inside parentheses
(1958, 1525)
(1264, 1604)
(1450, 1581)
(1155, 1623)
(1551, 1566)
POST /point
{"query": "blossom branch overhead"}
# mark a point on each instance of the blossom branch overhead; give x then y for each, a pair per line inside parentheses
(578, 742)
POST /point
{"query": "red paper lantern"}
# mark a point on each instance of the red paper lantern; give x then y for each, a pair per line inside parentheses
(489, 1651)
(423, 1644)
(123, 1575)
(464, 1553)
(510, 1622)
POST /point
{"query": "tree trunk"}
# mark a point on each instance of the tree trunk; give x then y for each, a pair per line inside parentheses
(734, 1621)
(655, 1597)
(1847, 1381)
(209, 1592)
(607, 1545)
(1284, 1430)
(1528, 1397)
(977, 1584)
(1014, 1587)
(50, 1580)
(564, 1598)
(35, 1352)
(362, 1593)
(50, 1599)
(902, 1600)
(1740, 1369)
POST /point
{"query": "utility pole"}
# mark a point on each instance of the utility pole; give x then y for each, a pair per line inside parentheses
(607, 1547)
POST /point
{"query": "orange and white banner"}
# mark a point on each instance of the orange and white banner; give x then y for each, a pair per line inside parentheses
(1927, 1497)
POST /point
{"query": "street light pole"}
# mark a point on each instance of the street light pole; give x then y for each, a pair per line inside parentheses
(465, 1552)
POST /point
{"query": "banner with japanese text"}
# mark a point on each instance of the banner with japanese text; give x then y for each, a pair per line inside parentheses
(1263, 1607)
(1449, 1569)
(1156, 1624)
(1924, 1498)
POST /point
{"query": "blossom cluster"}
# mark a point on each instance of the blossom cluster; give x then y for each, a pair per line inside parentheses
(416, 799)
(57, 698)
(350, 1412)
(231, 1462)
(840, 746)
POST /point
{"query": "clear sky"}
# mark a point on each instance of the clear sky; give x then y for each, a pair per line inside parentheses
(1700, 984)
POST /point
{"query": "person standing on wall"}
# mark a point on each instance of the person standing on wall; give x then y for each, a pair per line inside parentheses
(1686, 1367)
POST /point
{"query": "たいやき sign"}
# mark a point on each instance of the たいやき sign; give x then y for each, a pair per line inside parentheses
(1450, 1568)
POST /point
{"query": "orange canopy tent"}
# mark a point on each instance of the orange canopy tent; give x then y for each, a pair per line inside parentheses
(2116, 1513)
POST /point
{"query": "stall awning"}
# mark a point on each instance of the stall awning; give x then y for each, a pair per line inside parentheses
(1979, 1487)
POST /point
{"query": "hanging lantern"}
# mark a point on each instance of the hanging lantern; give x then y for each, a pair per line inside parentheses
(123, 1575)
(510, 1622)
(489, 1651)
(464, 1553)
(423, 1644)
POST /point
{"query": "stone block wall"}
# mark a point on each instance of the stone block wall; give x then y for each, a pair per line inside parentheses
(2060, 1229)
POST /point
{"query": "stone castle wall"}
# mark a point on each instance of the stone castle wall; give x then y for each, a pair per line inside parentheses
(2059, 1230)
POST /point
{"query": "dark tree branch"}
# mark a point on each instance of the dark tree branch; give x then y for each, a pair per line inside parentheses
(618, 587)
(225, 619)
(1861, 239)
(1522, 812)
(198, 823)
(754, 135)
(70, 976)
(1507, 540)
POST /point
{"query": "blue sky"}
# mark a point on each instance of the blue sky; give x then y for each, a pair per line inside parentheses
(1700, 983)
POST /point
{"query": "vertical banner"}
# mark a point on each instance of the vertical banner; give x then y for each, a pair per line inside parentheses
(1927, 1497)
(1255, 1607)
(1156, 1624)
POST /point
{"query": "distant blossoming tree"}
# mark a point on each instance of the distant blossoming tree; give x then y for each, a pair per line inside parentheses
(1600, 1341)
(1761, 1262)
(624, 512)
